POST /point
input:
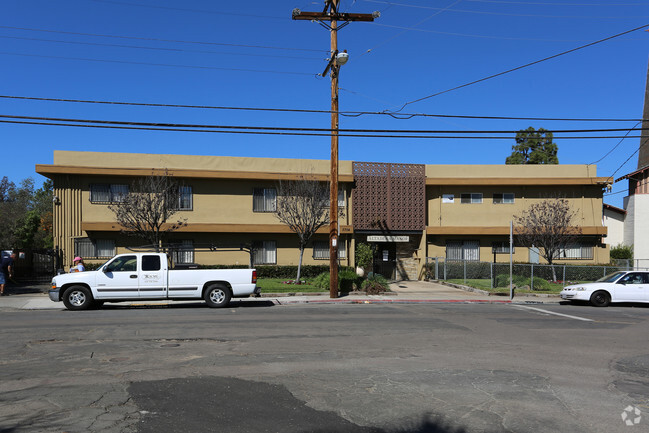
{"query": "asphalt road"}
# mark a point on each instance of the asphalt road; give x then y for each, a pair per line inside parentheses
(256, 367)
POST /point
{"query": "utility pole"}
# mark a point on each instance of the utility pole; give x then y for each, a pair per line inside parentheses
(331, 15)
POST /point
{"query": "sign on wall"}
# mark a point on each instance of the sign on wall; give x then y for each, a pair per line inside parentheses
(381, 238)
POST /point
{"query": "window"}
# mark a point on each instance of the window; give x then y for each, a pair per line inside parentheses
(341, 198)
(185, 198)
(503, 198)
(576, 252)
(150, 263)
(183, 252)
(463, 250)
(321, 249)
(474, 197)
(501, 248)
(105, 193)
(264, 253)
(634, 278)
(123, 264)
(97, 248)
(264, 200)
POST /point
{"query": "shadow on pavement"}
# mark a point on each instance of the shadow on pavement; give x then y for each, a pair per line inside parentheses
(186, 305)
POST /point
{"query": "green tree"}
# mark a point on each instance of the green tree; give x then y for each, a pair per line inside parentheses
(622, 252)
(25, 214)
(533, 147)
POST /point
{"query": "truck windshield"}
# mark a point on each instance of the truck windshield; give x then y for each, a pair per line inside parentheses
(611, 278)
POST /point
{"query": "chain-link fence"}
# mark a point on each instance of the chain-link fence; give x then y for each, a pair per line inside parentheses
(536, 276)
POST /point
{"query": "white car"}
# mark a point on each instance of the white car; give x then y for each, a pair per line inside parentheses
(623, 286)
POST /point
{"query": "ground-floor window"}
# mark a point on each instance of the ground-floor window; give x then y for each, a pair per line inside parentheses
(264, 253)
(183, 251)
(501, 247)
(94, 248)
(463, 250)
(576, 252)
(321, 249)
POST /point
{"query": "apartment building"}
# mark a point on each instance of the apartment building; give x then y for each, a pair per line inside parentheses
(408, 211)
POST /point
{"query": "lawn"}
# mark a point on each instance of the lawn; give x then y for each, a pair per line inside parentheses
(277, 285)
(485, 284)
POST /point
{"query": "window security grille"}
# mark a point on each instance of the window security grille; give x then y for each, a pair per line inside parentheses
(576, 252)
(501, 248)
(183, 251)
(463, 250)
(185, 198)
(264, 253)
(321, 249)
(99, 248)
(264, 200)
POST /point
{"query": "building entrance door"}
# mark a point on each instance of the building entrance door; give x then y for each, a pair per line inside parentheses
(385, 259)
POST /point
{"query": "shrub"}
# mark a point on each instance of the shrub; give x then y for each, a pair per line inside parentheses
(375, 284)
(364, 255)
(502, 280)
(279, 271)
(622, 252)
(541, 284)
(347, 280)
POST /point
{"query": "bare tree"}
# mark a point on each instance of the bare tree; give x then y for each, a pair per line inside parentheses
(145, 209)
(547, 225)
(303, 205)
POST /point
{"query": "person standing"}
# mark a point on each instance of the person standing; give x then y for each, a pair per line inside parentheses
(78, 265)
(6, 271)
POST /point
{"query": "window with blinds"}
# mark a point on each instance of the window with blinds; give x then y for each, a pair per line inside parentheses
(264, 252)
(463, 250)
(264, 200)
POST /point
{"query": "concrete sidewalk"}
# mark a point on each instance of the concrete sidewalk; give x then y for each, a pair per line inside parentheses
(403, 292)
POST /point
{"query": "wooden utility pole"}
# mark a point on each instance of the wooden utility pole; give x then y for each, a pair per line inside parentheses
(330, 14)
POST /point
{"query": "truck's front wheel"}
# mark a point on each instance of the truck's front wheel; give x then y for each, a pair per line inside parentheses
(217, 296)
(77, 298)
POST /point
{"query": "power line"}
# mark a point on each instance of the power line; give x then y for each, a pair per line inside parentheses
(556, 4)
(523, 66)
(375, 133)
(402, 116)
(99, 44)
(162, 40)
(499, 13)
(169, 65)
(614, 147)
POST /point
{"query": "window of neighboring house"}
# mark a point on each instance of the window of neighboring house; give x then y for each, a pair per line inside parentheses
(501, 248)
(576, 251)
(185, 198)
(264, 252)
(473, 197)
(321, 249)
(107, 193)
(503, 198)
(264, 200)
(183, 251)
(94, 248)
(463, 250)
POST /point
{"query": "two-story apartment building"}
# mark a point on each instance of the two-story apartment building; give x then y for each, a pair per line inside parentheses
(408, 211)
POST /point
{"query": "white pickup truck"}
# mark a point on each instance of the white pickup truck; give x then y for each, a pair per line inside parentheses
(147, 276)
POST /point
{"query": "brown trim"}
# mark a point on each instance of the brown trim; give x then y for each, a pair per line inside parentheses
(48, 170)
(518, 181)
(213, 228)
(460, 230)
(614, 209)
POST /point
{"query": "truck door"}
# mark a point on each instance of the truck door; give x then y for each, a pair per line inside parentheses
(118, 279)
(153, 277)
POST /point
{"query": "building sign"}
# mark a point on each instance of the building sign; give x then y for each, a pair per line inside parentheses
(388, 238)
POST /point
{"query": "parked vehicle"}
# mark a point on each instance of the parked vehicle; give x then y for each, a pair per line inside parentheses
(148, 276)
(629, 286)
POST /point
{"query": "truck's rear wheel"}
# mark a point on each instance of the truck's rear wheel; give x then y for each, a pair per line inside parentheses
(77, 298)
(217, 296)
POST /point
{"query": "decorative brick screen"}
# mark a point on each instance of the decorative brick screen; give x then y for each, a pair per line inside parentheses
(389, 196)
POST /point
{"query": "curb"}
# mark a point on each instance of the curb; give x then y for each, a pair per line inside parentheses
(393, 301)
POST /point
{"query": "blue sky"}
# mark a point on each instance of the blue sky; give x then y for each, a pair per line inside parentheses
(251, 54)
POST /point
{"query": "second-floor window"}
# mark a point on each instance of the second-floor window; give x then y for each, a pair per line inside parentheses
(185, 198)
(107, 193)
(264, 200)
(503, 198)
(473, 197)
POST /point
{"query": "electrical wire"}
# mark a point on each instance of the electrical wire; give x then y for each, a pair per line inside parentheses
(523, 66)
(162, 40)
(295, 110)
(98, 44)
(169, 65)
(555, 4)
(375, 133)
(501, 13)
(614, 147)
